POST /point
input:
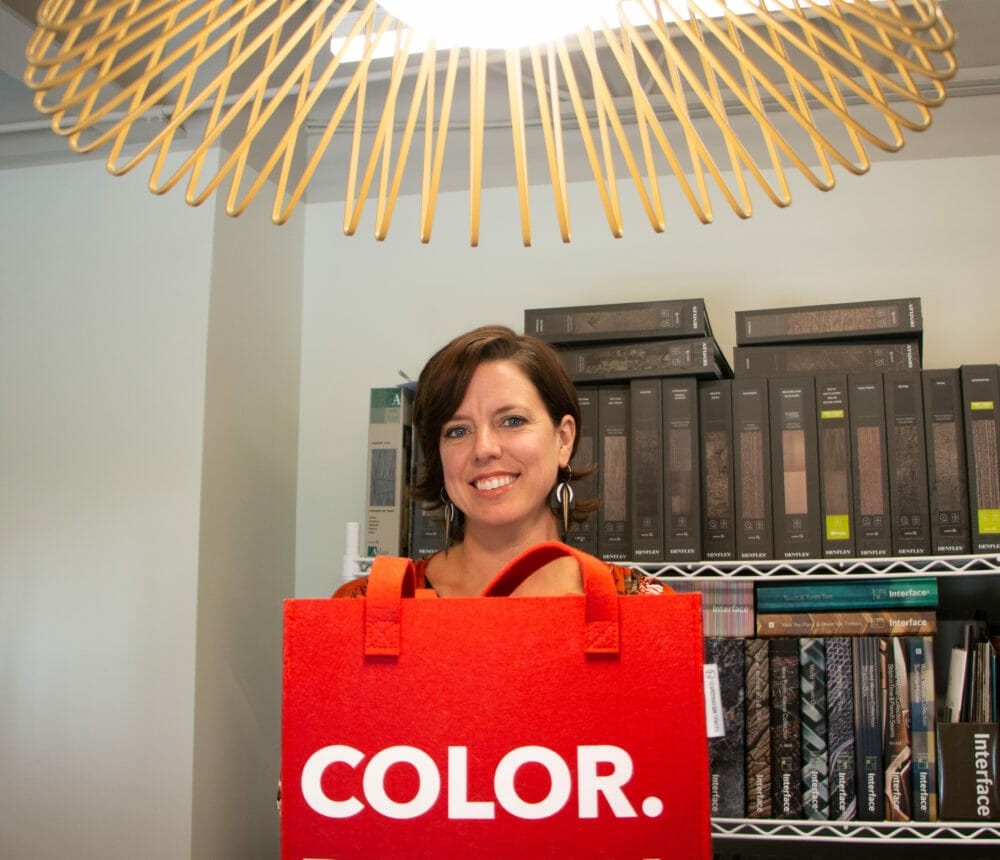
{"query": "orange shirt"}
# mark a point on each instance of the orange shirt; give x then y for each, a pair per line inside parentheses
(627, 581)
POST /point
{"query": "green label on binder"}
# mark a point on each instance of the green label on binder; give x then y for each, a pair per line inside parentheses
(838, 527)
(831, 413)
(989, 522)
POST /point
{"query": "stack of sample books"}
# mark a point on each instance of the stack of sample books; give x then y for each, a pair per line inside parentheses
(830, 709)
(786, 460)
(880, 335)
(637, 368)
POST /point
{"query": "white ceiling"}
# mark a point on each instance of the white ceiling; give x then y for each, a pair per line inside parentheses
(966, 125)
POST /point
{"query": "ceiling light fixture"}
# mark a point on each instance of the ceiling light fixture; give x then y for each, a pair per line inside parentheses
(720, 90)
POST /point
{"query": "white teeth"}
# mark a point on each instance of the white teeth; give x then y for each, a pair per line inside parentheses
(494, 483)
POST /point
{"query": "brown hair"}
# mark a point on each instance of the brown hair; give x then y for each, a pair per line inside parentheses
(445, 379)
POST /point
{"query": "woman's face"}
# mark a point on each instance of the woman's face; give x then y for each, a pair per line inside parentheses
(501, 452)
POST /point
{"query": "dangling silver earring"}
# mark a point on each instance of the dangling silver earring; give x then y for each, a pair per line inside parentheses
(450, 515)
(564, 501)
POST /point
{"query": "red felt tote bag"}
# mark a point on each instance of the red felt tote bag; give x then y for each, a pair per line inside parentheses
(549, 727)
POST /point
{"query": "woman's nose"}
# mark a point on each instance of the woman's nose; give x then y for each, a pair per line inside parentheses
(487, 443)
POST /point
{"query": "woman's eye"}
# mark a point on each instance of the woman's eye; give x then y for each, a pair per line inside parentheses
(454, 432)
(513, 421)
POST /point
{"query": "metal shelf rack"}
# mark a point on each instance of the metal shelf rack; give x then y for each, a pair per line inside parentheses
(896, 832)
(827, 568)
(936, 833)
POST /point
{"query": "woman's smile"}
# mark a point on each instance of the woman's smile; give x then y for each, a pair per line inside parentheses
(495, 482)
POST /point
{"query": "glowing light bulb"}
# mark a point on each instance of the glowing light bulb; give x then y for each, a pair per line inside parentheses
(521, 23)
(508, 24)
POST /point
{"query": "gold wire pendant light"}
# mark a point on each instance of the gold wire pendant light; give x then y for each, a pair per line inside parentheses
(712, 89)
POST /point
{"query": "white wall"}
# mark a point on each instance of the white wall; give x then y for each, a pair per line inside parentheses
(908, 228)
(247, 546)
(104, 293)
(149, 400)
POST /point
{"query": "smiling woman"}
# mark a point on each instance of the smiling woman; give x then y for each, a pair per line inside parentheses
(497, 418)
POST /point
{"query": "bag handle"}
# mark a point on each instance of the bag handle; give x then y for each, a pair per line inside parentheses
(389, 580)
(601, 626)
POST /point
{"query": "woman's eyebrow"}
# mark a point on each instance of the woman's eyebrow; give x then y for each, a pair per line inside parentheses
(506, 407)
